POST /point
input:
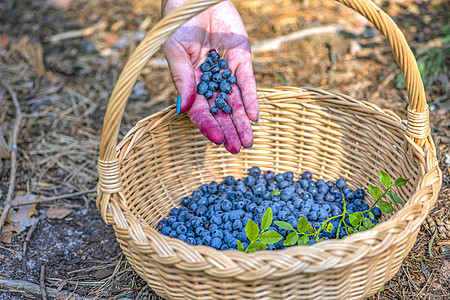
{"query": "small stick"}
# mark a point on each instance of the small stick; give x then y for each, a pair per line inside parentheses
(48, 199)
(41, 281)
(72, 34)
(430, 244)
(12, 180)
(27, 240)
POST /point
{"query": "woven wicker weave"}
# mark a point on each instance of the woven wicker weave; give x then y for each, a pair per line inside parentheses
(164, 157)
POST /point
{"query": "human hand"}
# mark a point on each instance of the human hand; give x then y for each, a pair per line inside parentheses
(217, 27)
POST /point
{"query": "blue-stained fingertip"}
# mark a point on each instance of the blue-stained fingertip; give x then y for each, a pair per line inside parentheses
(220, 144)
(249, 147)
(236, 153)
(178, 104)
(255, 122)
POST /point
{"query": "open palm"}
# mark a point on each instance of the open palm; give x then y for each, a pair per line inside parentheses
(217, 27)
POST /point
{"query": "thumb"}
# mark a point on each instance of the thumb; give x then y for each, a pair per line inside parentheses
(183, 76)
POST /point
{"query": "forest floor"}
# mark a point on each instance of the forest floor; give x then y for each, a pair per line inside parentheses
(61, 59)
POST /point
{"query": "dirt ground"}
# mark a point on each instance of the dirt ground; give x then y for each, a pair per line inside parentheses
(62, 57)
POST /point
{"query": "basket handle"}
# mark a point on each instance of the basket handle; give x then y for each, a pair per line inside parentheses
(418, 119)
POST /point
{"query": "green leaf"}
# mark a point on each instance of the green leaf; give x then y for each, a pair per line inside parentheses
(381, 288)
(367, 222)
(401, 181)
(291, 239)
(256, 246)
(371, 215)
(329, 227)
(304, 240)
(302, 225)
(395, 198)
(270, 237)
(240, 246)
(355, 218)
(385, 178)
(267, 219)
(362, 228)
(275, 192)
(284, 225)
(310, 228)
(385, 207)
(374, 191)
(252, 231)
(350, 230)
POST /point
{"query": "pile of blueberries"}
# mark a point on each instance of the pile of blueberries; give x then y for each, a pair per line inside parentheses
(212, 80)
(216, 214)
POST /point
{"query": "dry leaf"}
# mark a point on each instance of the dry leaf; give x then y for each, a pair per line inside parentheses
(6, 237)
(20, 219)
(58, 212)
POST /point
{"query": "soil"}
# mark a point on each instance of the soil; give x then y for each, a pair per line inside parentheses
(63, 84)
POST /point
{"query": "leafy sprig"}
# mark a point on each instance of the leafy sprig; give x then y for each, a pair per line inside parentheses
(260, 238)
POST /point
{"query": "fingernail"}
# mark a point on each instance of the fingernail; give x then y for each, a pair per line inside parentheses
(236, 152)
(249, 147)
(178, 104)
(255, 122)
(223, 142)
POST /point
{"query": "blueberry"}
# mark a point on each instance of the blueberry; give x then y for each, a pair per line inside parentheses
(346, 190)
(223, 96)
(232, 243)
(225, 87)
(213, 53)
(279, 178)
(227, 109)
(206, 77)
(226, 205)
(241, 236)
(282, 215)
(360, 193)
(226, 73)
(223, 64)
(237, 225)
(229, 180)
(210, 61)
(214, 110)
(191, 241)
(217, 234)
(216, 243)
(288, 176)
(213, 86)
(166, 230)
(205, 67)
(202, 87)
(185, 201)
(217, 78)
(341, 183)
(220, 103)
(231, 80)
(208, 94)
(249, 181)
(307, 175)
(255, 172)
(215, 69)
(173, 234)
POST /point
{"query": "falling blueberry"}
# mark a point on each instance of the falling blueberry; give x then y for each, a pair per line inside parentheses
(214, 110)
(220, 103)
(227, 109)
(223, 96)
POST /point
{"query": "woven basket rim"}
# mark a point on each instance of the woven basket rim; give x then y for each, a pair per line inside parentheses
(324, 248)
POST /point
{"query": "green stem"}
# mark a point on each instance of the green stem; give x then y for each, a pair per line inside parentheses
(379, 198)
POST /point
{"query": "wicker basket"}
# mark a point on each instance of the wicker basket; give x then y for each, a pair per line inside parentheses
(164, 157)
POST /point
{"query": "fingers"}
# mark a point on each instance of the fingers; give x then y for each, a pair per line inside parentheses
(247, 85)
(232, 140)
(240, 118)
(206, 123)
(182, 74)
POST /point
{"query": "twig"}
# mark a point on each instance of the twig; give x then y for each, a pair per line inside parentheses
(77, 33)
(27, 240)
(275, 43)
(34, 289)
(12, 180)
(49, 199)
(42, 283)
(430, 244)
